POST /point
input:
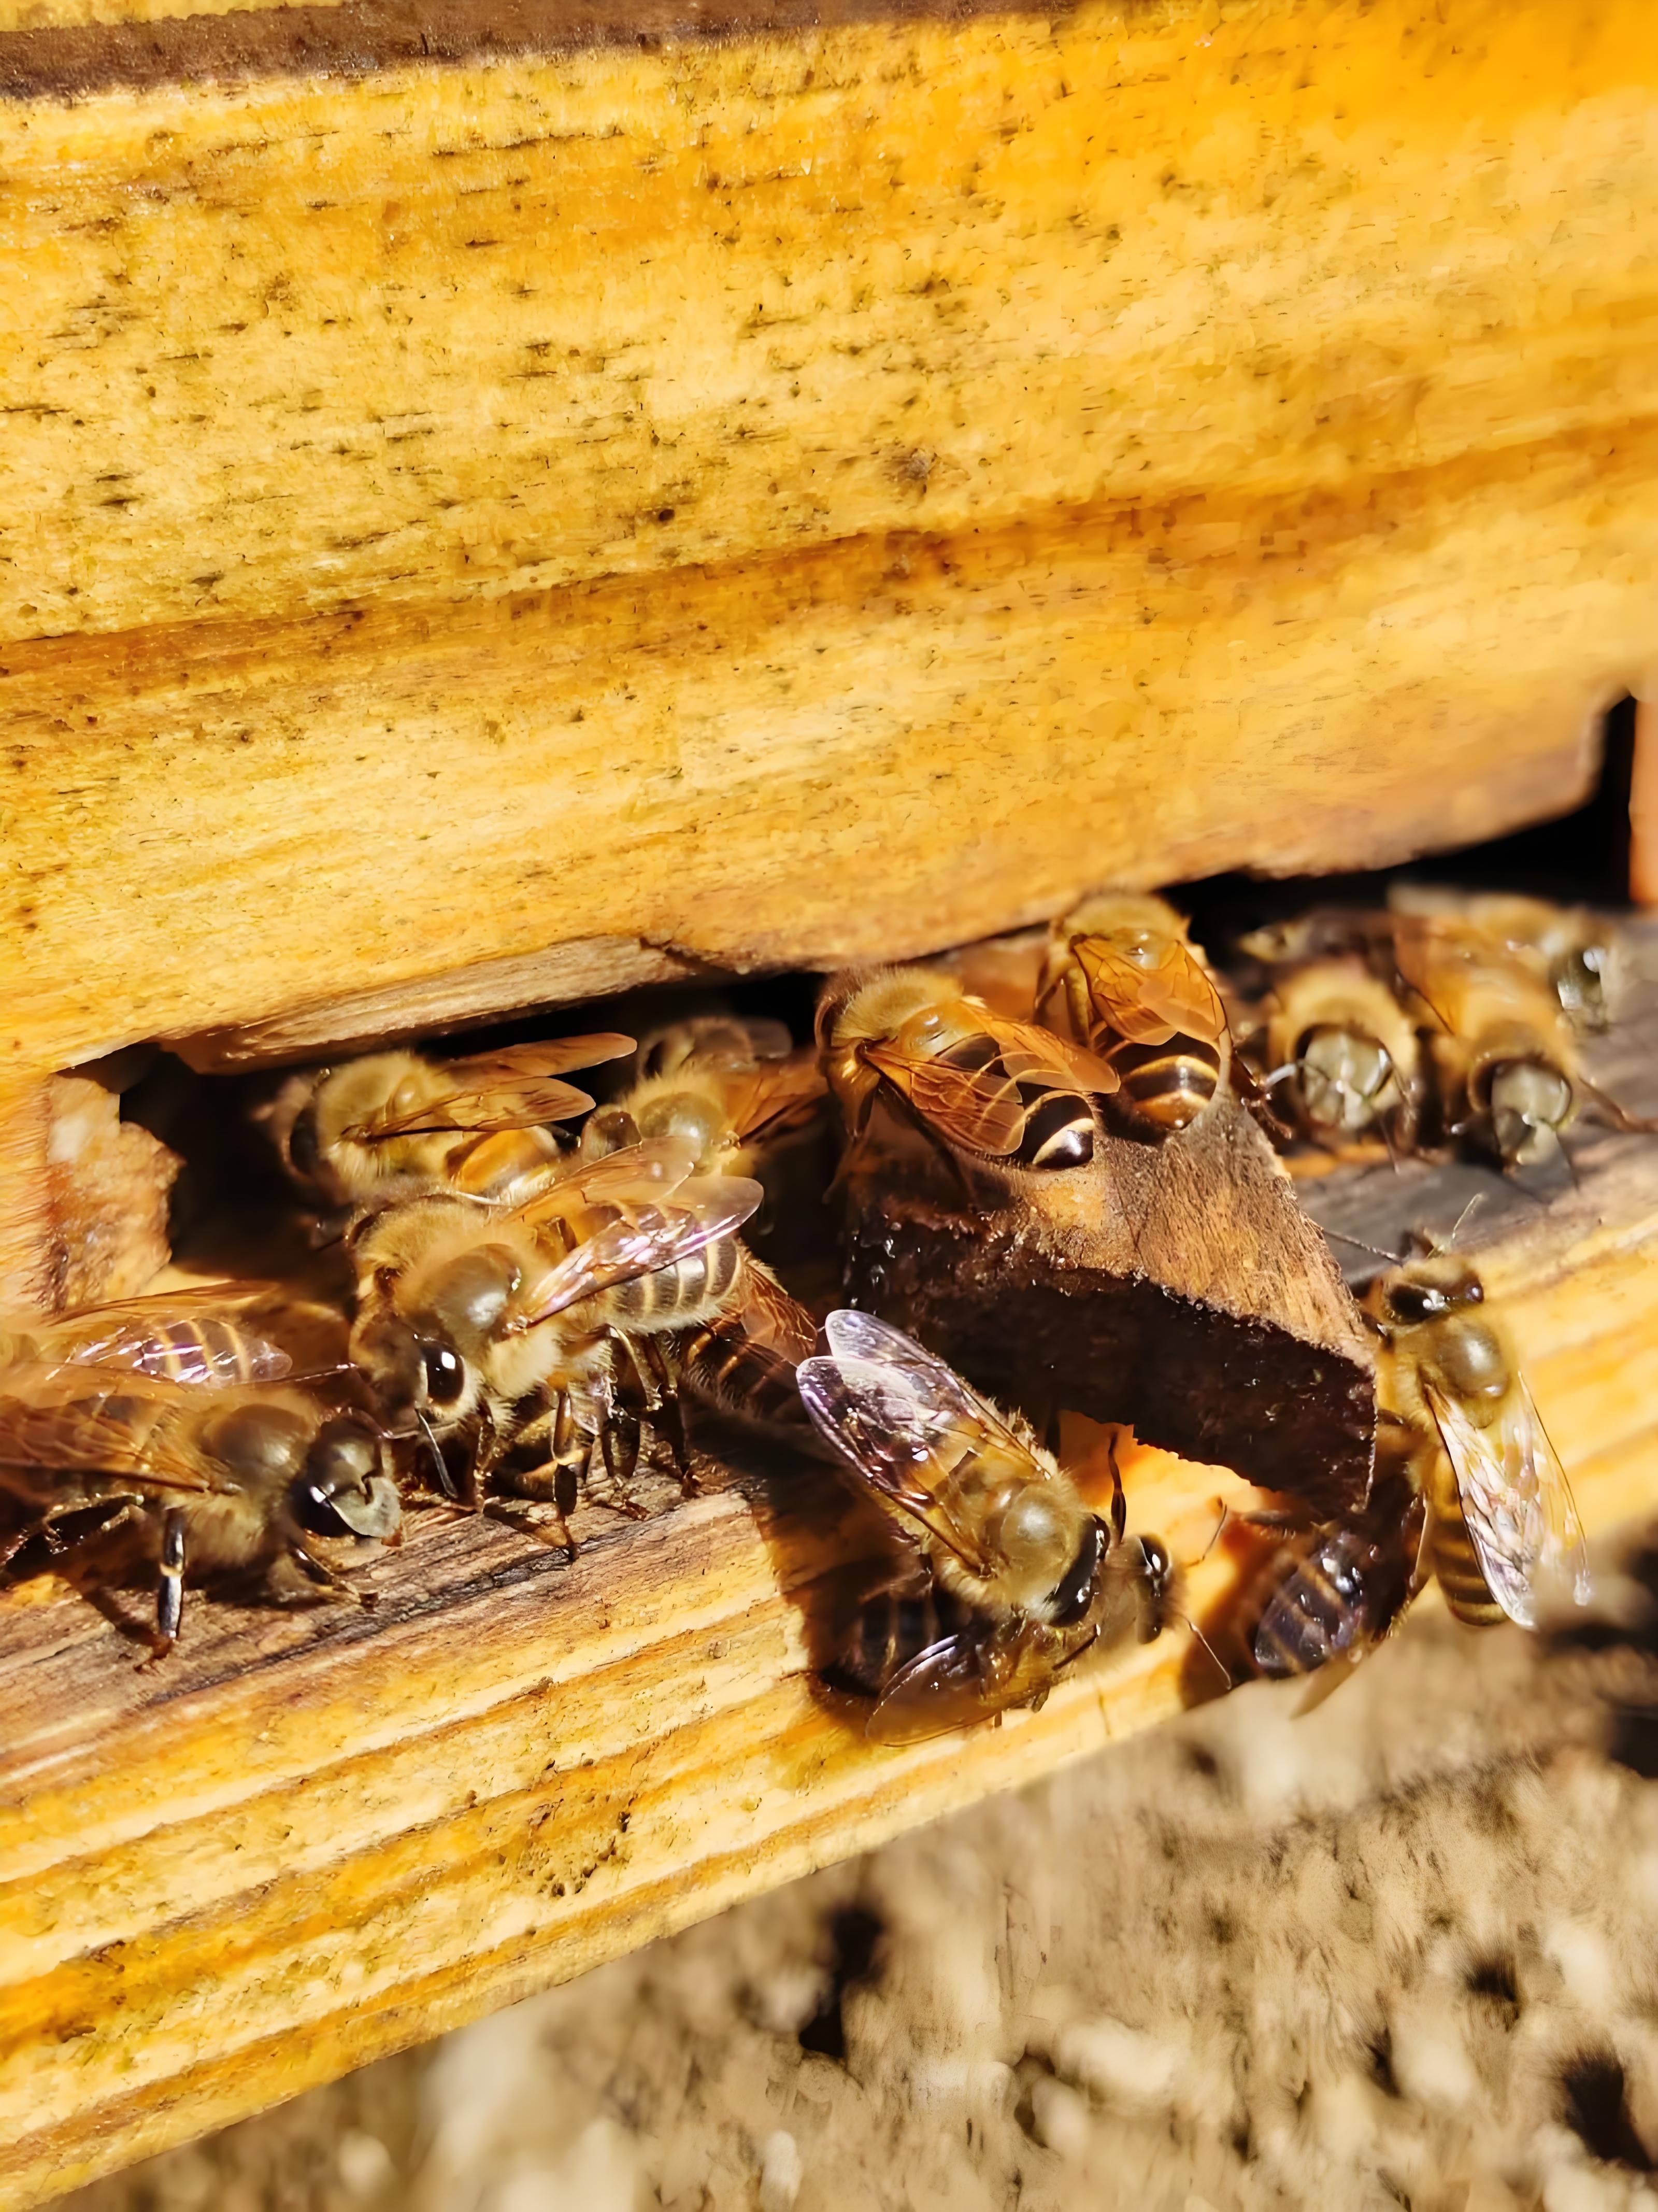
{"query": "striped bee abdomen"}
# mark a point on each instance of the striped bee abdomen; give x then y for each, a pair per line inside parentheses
(1456, 1563)
(745, 1358)
(1056, 1120)
(893, 1627)
(681, 1290)
(1330, 1590)
(1164, 1086)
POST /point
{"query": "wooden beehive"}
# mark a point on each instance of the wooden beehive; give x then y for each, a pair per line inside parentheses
(504, 501)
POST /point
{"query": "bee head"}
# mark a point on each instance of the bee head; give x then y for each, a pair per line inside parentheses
(344, 1490)
(1529, 1102)
(1345, 1076)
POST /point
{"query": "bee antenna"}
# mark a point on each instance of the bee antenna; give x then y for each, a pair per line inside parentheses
(1224, 1670)
(1376, 1251)
(1456, 1230)
(437, 1460)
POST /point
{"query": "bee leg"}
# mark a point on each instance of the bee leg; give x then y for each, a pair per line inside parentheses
(646, 1371)
(668, 1415)
(327, 1580)
(1119, 1504)
(170, 1584)
(566, 1484)
(620, 1443)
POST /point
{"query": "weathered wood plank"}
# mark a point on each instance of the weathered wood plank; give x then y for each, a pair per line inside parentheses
(300, 344)
(872, 749)
(776, 498)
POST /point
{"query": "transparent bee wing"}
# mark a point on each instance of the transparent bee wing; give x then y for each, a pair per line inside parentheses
(516, 1089)
(1516, 1503)
(180, 1343)
(902, 1423)
(646, 1171)
(987, 1668)
(978, 1109)
(655, 1232)
(1173, 997)
(779, 1095)
(94, 1420)
(932, 1383)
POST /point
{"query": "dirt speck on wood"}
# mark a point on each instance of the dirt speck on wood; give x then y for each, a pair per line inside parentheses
(1401, 1951)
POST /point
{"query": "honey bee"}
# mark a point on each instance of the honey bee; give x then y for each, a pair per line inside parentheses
(501, 1324)
(1141, 998)
(1580, 952)
(1330, 1591)
(347, 1134)
(1344, 1054)
(970, 1079)
(1500, 1523)
(721, 1084)
(1504, 1056)
(172, 1424)
(1017, 1574)
(729, 1088)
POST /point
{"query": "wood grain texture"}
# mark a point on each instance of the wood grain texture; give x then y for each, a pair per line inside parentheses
(317, 1837)
(769, 499)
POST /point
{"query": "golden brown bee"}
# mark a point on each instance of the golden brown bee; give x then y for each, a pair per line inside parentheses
(1027, 1578)
(720, 1082)
(1581, 952)
(170, 1424)
(730, 1088)
(1505, 1058)
(1343, 1058)
(1501, 1526)
(395, 1119)
(1330, 1590)
(501, 1324)
(970, 1080)
(1141, 998)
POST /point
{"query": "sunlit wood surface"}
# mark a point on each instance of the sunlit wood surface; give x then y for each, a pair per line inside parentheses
(316, 1837)
(481, 525)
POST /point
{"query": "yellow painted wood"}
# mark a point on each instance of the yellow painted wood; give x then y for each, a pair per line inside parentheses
(784, 498)
(313, 1839)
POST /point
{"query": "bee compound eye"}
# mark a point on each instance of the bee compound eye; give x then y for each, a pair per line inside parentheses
(1074, 1595)
(1158, 1565)
(444, 1372)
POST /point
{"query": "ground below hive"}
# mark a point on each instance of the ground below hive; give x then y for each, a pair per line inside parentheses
(1401, 1951)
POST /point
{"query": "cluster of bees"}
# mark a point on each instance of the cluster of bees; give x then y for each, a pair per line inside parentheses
(541, 1283)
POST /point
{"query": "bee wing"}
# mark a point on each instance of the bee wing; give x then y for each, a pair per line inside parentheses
(980, 1107)
(971, 1107)
(517, 1089)
(191, 1337)
(647, 1171)
(1516, 1503)
(657, 1230)
(93, 1420)
(984, 1668)
(890, 1419)
(1150, 1006)
(779, 1095)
